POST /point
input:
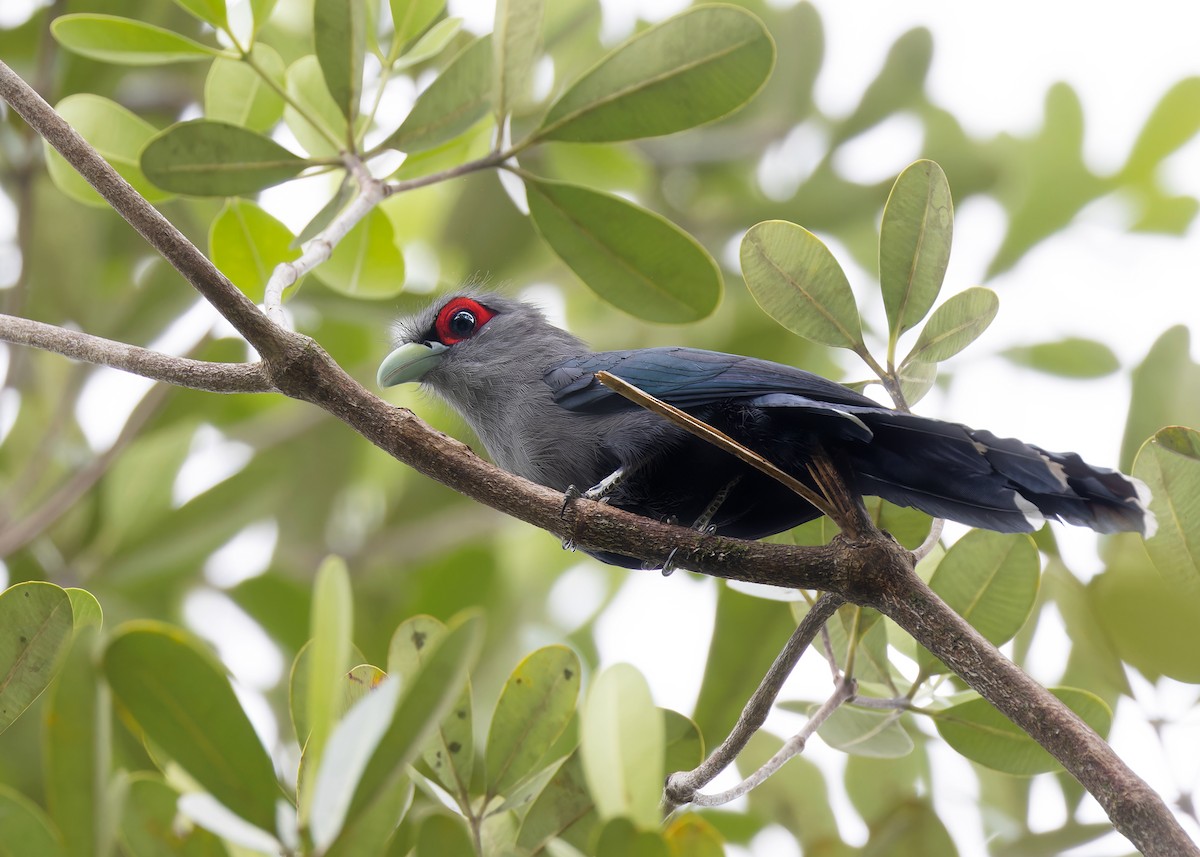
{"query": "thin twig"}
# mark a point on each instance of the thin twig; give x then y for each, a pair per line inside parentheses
(180, 371)
(159, 232)
(371, 191)
(794, 746)
(682, 786)
(935, 535)
(320, 248)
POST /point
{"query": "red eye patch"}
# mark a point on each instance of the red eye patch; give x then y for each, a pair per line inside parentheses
(461, 319)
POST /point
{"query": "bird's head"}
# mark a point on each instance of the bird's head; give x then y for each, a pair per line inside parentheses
(471, 341)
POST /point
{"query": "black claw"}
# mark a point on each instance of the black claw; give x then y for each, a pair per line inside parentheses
(669, 566)
(569, 496)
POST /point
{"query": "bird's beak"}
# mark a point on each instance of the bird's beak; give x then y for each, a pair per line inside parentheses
(409, 362)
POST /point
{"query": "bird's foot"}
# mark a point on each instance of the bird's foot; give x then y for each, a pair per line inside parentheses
(569, 496)
(667, 566)
(599, 492)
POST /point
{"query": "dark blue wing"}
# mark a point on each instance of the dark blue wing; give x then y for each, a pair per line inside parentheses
(686, 378)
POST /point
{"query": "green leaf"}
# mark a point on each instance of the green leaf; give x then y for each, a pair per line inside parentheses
(427, 698)
(368, 832)
(811, 820)
(350, 747)
(564, 809)
(737, 661)
(916, 379)
(634, 259)
(298, 688)
(455, 101)
(410, 18)
(148, 823)
(85, 610)
(914, 244)
(684, 744)
(877, 786)
(797, 282)
(1166, 391)
(431, 44)
(76, 750)
(622, 747)
(955, 325)
(116, 134)
(209, 11)
(1174, 121)
(537, 702)
(358, 682)
(1169, 464)
(442, 835)
(870, 644)
(339, 34)
(515, 34)
(24, 828)
(205, 158)
(1153, 624)
(312, 114)
(1093, 662)
(991, 580)
(261, 10)
(1072, 357)
(907, 525)
(984, 735)
(450, 756)
(690, 835)
(621, 838)
(366, 263)
(693, 68)
(35, 630)
(137, 499)
(332, 630)
(246, 243)
(237, 94)
(866, 732)
(124, 41)
(179, 695)
(912, 828)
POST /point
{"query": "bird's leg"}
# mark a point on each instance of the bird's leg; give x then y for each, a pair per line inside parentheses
(599, 492)
(702, 522)
(714, 505)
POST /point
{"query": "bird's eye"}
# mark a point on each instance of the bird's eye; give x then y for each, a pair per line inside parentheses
(462, 323)
(461, 318)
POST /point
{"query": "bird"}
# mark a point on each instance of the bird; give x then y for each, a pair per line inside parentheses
(528, 390)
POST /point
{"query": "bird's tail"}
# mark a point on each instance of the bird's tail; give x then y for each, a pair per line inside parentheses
(974, 477)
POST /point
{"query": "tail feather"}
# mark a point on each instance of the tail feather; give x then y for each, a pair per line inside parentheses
(977, 478)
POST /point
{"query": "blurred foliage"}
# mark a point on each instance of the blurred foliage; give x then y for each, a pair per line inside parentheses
(437, 588)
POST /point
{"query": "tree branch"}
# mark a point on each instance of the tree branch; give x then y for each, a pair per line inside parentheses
(844, 691)
(181, 371)
(682, 786)
(868, 568)
(159, 232)
(1134, 808)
